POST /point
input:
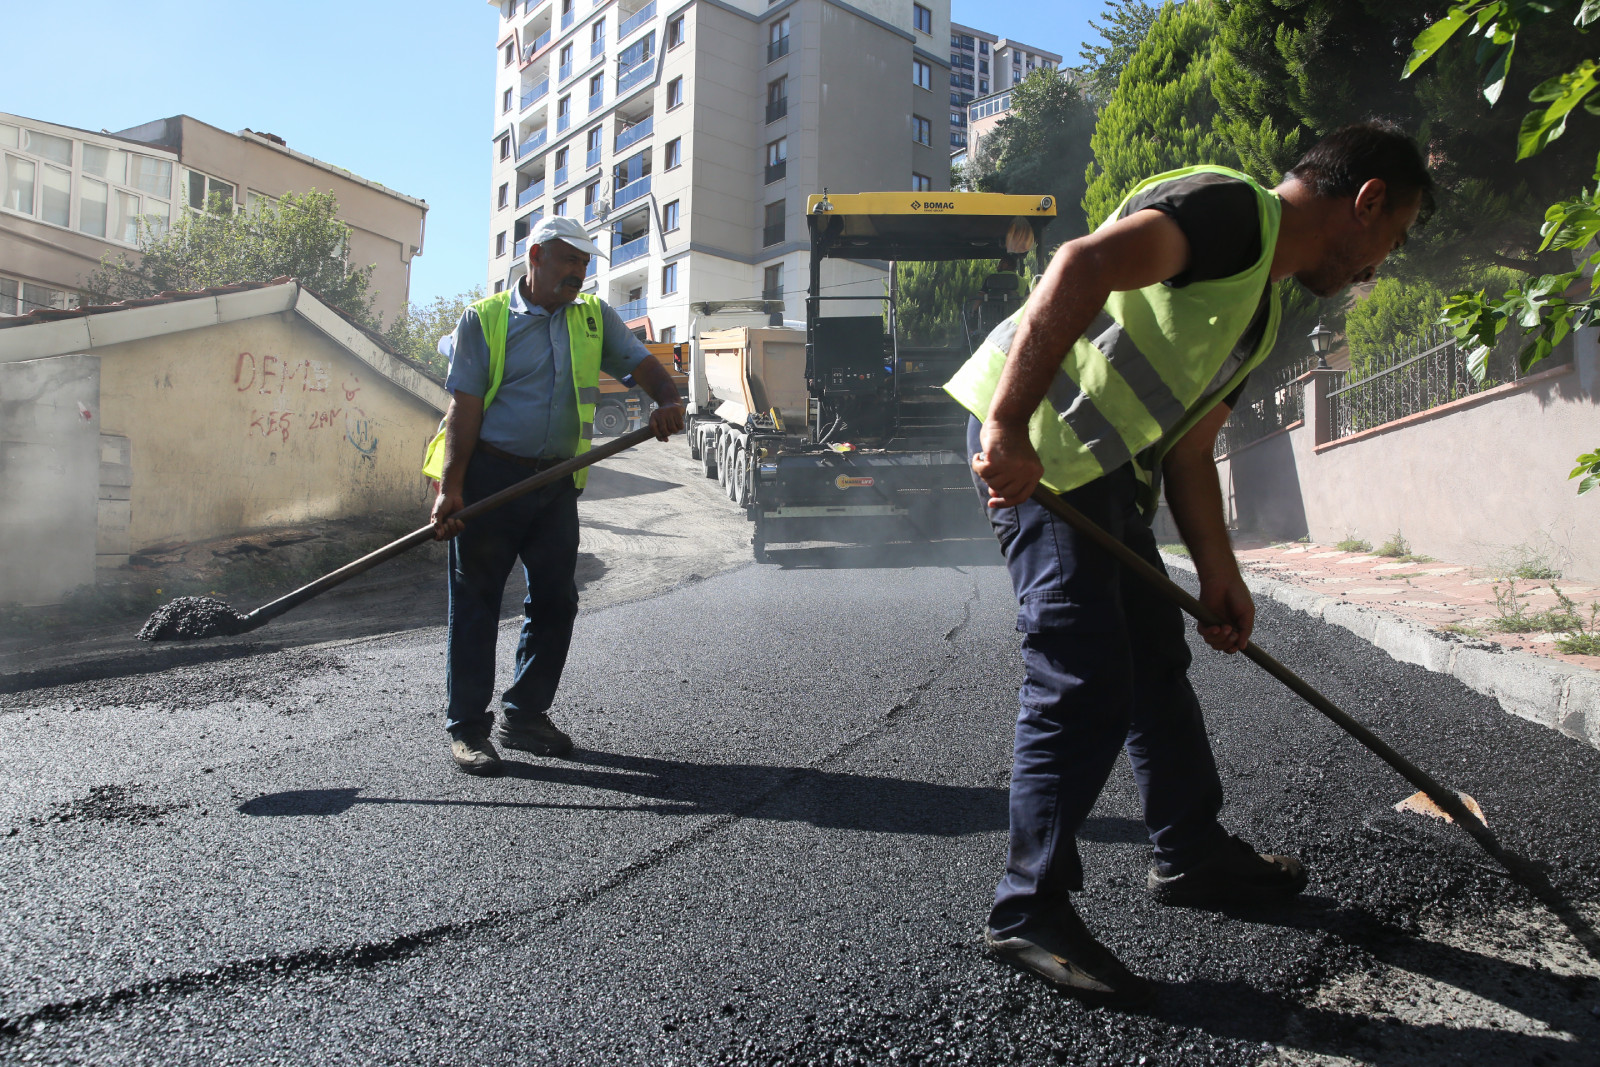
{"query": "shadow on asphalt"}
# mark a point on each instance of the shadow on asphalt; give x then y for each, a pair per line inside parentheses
(825, 799)
(969, 552)
(608, 484)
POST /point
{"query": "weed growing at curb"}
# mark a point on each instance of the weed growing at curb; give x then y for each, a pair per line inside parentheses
(1176, 549)
(1462, 628)
(1395, 547)
(1562, 619)
(1351, 544)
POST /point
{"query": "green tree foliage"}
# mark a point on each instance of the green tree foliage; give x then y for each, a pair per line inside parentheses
(1291, 71)
(933, 297)
(1123, 26)
(1404, 309)
(1040, 148)
(1162, 114)
(299, 236)
(416, 332)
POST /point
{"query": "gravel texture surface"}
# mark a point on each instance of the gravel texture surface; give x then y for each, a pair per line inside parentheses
(775, 843)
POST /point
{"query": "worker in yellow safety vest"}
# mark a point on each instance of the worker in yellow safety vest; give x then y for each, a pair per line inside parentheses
(1116, 374)
(524, 381)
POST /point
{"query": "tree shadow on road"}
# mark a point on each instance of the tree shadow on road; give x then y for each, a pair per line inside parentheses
(825, 799)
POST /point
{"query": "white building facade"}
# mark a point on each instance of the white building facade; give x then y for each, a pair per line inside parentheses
(687, 134)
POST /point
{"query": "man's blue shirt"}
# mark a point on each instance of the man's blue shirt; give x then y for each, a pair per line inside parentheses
(535, 412)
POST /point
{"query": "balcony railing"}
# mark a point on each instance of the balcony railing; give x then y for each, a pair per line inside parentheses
(637, 19)
(635, 133)
(633, 309)
(627, 194)
(596, 46)
(563, 121)
(530, 194)
(778, 49)
(566, 18)
(522, 247)
(538, 43)
(597, 101)
(537, 93)
(776, 171)
(776, 109)
(589, 213)
(771, 235)
(622, 253)
(772, 294)
(561, 177)
(592, 158)
(564, 71)
(530, 6)
(634, 75)
(533, 143)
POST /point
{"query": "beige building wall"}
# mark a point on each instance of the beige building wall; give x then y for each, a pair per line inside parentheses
(387, 226)
(258, 423)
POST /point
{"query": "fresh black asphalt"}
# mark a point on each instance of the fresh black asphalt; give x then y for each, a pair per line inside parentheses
(775, 843)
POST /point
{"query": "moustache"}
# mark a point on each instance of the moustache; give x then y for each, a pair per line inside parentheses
(575, 281)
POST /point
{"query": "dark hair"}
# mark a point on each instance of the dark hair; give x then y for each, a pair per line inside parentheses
(1345, 160)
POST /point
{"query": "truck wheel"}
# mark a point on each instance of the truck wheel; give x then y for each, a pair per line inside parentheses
(694, 443)
(742, 471)
(708, 460)
(731, 484)
(610, 420)
(758, 542)
(723, 452)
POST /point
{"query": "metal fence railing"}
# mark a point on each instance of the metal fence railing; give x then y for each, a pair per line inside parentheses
(1271, 401)
(1416, 375)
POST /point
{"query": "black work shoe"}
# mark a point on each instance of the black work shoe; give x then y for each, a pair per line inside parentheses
(1234, 874)
(1066, 955)
(533, 732)
(475, 755)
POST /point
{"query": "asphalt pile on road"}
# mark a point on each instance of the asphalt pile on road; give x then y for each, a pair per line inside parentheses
(189, 618)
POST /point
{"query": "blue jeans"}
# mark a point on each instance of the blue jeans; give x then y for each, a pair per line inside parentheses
(1106, 668)
(541, 529)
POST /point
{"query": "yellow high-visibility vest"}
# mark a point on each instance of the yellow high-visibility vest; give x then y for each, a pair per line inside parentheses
(1145, 371)
(585, 334)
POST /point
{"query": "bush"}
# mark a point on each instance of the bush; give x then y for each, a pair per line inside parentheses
(1399, 310)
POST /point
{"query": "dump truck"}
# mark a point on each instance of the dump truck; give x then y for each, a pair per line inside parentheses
(840, 430)
(623, 403)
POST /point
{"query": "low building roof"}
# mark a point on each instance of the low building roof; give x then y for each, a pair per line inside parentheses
(48, 332)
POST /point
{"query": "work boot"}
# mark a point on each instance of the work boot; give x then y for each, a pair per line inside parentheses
(474, 754)
(533, 732)
(1066, 955)
(1233, 874)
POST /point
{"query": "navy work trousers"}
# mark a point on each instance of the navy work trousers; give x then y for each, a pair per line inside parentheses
(1106, 668)
(541, 529)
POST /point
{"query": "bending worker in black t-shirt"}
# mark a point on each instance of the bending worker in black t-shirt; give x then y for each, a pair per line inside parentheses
(1117, 374)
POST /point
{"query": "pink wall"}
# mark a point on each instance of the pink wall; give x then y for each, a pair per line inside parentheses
(1476, 481)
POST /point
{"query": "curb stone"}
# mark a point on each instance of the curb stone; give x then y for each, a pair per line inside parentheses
(1556, 695)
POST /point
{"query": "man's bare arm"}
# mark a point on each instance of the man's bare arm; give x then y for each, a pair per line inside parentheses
(1145, 248)
(667, 418)
(463, 419)
(1194, 494)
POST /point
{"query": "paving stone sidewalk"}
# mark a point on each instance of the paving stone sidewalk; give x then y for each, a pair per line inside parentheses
(1446, 617)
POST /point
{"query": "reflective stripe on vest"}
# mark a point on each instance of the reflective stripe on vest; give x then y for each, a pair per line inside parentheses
(1144, 371)
(585, 339)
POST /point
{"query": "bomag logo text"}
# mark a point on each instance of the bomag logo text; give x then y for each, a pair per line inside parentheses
(933, 205)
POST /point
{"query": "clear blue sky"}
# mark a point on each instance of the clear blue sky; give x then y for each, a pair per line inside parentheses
(399, 92)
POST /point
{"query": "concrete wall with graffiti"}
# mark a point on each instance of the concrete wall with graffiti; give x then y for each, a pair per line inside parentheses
(256, 423)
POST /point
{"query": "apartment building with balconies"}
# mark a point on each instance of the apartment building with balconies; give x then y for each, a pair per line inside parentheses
(687, 136)
(983, 65)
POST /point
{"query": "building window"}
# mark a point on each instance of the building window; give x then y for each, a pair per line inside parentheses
(669, 217)
(597, 38)
(591, 193)
(563, 113)
(921, 74)
(674, 92)
(597, 89)
(500, 244)
(983, 48)
(921, 130)
(505, 101)
(505, 194)
(201, 189)
(772, 282)
(510, 52)
(18, 297)
(958, 118)
(778, 39)
(505, 147)
(669, 279)
(777, 99)
(772, 224)
(921, 183)
(499, 287)
(592, 158)
(17, 192)
(922, 18)
(675, 32)
(777, 160)
(674, 153)
(668, 335)
(560, 207)
(983, 85)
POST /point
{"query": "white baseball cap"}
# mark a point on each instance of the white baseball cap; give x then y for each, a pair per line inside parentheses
(561, 228)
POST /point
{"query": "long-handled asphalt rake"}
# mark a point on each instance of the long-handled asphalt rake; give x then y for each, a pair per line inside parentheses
(189, 617)
(1462, 809)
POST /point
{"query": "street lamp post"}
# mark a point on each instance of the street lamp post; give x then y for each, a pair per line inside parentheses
(1321, 342)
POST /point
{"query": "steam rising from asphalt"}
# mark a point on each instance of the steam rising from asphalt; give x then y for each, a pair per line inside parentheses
(191, 617)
